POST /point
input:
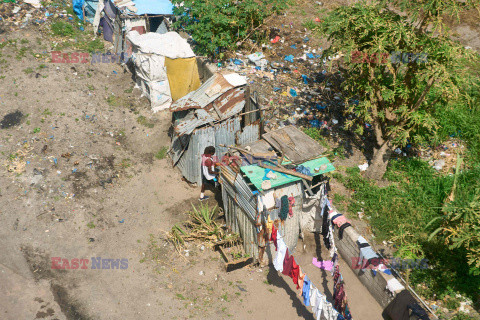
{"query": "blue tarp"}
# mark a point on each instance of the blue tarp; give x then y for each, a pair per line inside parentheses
(153, 7)
(78, 8)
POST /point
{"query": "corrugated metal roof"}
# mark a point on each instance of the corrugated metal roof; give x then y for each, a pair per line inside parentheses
(208, 92)
(256, 174)
(228, 104)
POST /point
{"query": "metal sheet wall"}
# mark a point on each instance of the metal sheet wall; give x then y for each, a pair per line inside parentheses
(249, 134)
(238, 220)
(191, 160)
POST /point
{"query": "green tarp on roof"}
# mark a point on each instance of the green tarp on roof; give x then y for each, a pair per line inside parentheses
(256, 174)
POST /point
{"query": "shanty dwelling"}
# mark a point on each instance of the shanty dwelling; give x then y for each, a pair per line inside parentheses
(220, 112)
(253, 182)
(118, 17)
(165, 67)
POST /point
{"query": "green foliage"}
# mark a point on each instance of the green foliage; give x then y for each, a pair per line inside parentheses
(461, 118)
(460, 219)
(219, 25)
(162, 153)
(392, 95)
(401, 212)
(433, 12)
(62, 28)
(145, 122)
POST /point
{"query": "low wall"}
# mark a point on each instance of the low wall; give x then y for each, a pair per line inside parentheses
(376, 284)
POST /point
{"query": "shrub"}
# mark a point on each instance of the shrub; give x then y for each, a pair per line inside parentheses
(219, 25)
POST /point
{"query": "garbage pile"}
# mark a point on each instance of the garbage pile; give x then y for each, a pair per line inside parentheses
(15, 14)
(291, 75)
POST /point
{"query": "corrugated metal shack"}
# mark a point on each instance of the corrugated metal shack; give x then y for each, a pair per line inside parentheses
(221, 111)
(242, 183)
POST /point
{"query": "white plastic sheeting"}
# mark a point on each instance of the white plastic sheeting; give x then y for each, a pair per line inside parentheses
(149, 52)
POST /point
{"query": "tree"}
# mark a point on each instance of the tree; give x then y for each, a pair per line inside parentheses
(392, 63)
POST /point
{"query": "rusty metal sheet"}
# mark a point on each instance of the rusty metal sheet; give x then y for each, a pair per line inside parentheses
(229, 104)
(208, 92)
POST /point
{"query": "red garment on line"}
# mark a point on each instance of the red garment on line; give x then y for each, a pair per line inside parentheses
(273, 237)
(287, 264)
(294, 273)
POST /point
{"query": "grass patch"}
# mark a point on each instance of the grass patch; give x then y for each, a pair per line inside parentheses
(145, 122)
(310, 24)
(112, 100)
(90, 225)
(62, 28)
(401, 212)
(162, 153)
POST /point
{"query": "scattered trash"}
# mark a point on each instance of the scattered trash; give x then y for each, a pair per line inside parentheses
(289, 58)
(122, 221)
(275, 40)
(293, 92)
(201, 273)
(438, 164)
(363, 167)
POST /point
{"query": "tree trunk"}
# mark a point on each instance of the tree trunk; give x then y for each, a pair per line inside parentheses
(379, 162)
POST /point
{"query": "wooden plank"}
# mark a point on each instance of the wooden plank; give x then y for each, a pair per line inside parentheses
(304, 147)
(307, 187)
(223, 254)
(290, 172)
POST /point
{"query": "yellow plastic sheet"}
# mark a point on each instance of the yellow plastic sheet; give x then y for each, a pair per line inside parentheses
(182, 76)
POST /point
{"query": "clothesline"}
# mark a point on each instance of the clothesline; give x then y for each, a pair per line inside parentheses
(285, 263)
(329, 216)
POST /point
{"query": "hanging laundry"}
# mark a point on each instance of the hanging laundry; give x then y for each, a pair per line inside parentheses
(342, 228)
(291, 203)
(316, 302)
(269, 227)
(284, 208)
(340, 220)
(294, 273)
(306, 291)
(366, 253)
(301, 279)
(326, 265)
(287, 264)
(281, 252)
(325, 227)
(336, 216)
(273, 237)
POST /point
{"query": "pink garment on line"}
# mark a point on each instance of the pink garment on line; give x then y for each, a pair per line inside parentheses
(340, 221)
(327, 265)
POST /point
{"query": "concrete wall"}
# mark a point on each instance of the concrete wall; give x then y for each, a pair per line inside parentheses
(376, 284)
